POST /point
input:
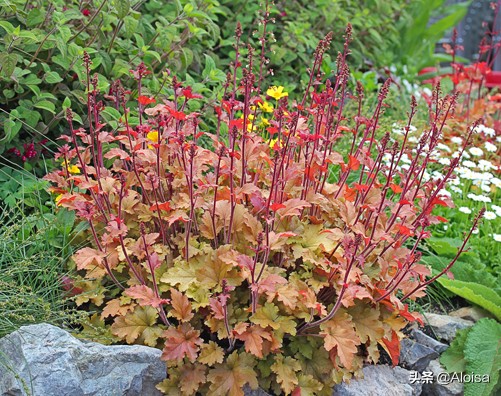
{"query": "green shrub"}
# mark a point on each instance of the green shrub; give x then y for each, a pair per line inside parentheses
(41, 48)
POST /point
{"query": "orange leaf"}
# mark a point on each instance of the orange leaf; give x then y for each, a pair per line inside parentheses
(145, 296)
(181, 306)
(180, 342)
(253, 337)
(340, 333)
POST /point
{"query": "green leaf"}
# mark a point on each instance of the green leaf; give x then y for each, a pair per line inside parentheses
(445, 246)
(110, 113)
(188, 8)
(66, 103)
(46, 105)
(52, 77)
(209, 66)
(483, 356)
(7, 26)
(122, 7)
(8, 63)
(475, 293)
(453, 357)
(35, 17)
(11, 129)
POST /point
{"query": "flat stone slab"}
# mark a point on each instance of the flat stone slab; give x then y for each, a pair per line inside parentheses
(380, 380)
(445, 327)
(44, 360)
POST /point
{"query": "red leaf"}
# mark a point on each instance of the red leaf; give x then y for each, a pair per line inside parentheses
(277, 206)
(360, 187)
(411, 317)
(395, 188)
(178, 115)
(404, 230)
(353, 163)
(145, 100)
(188, 94)
(350, 194)
(438, 201)
(162, 206)
(404, 202)
(392, 347)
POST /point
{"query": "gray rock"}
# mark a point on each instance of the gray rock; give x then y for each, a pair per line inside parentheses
(445, 326)
(416, 356)
(436, 389)
(471, 313)
(254, 392)
(380, 380)
(43, 360)
(428, 341)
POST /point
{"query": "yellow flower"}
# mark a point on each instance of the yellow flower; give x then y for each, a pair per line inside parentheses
(276, 92)
(73, 169)
(264, 121)
(274, 142)
(154, 136)
(58, 198)
(265, 106)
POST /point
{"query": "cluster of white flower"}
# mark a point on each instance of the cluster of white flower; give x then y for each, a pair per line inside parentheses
(398, 130)
(479, 198)
(485, 130)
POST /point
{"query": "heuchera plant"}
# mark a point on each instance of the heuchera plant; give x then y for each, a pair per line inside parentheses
(262, 256)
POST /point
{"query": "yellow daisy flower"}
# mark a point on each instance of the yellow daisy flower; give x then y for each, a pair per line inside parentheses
(73, 169)
(276, 92)
(266, 107)
(153, 136)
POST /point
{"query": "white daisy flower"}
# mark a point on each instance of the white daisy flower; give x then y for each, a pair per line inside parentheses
(491, 148)
(479, 198)
(464, 209)
(475, 231)
(477, 152)
(496, 182)
(488, 215)
(455, 189)
(485, 165)
(489, 132)
(457, 140)
(444, 161)
(442, 146)
(496, 237)
(485, 188)
(444, 192)
(469, 164)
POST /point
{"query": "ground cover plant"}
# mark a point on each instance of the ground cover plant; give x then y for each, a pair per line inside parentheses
(244, 248)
